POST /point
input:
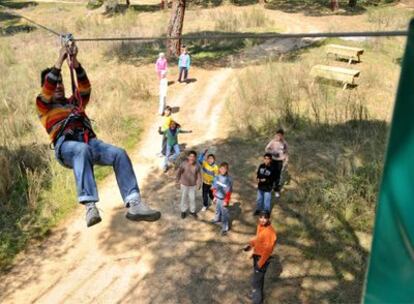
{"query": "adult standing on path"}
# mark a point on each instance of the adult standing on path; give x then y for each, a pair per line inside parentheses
(76, 145)
(161, 65)
(262, 246)
(278, 148)
(184, 62)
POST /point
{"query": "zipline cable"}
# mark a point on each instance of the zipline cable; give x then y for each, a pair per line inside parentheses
(395, 33)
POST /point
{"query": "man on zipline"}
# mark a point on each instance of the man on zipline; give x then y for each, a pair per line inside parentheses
(76, 145)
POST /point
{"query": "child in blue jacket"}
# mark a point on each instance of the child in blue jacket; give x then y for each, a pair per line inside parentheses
(222, 189)
(184, 62)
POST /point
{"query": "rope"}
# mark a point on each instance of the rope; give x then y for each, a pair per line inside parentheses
(31, 21)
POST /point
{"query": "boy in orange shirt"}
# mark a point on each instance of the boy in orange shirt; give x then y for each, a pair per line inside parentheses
(262, 246)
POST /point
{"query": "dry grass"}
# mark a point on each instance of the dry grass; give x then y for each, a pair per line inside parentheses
(35, 191)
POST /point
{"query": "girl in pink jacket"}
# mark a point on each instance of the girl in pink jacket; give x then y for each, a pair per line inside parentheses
(161, 64)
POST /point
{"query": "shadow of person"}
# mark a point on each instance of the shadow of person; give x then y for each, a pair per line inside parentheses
(190, 80)
(175, 110)
(171, 82)
(275, 266)
(234, 213)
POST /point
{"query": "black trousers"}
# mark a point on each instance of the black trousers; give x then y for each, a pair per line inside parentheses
(277, 166)
(258, 280)
(183, 70)
(207, 193)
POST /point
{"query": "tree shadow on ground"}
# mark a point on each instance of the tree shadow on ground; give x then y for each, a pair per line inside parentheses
(10, 23)
(206, 53)
(18, 4)
(319, 256)
(313, 7)
(205, 3)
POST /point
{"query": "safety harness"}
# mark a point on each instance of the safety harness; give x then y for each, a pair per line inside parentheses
(76, 113)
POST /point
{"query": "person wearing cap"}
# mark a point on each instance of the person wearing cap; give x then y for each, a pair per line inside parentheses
(278, 148)
(262, 247)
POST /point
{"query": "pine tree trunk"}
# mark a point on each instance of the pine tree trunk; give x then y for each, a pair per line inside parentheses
(352, 3)
(175, 27)
(334, 5)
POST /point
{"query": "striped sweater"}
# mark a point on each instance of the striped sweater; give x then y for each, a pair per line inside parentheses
(52, 114)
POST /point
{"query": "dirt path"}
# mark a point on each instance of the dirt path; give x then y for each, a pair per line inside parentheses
(79, 265)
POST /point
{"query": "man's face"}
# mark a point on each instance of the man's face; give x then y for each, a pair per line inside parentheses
(263, 221)
(173, 126)
(267, 160)
(210, 160)
(59, 93)
(191, 158)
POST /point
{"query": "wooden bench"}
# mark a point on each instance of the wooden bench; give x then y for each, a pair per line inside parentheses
(346, 76)
(345, 52)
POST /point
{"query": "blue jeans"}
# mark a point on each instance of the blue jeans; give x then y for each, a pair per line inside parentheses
(264, 200)
(81, 157)
(183, 71)
(168, 156)
(222, 215)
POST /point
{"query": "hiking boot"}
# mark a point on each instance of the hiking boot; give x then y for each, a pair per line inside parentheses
(224, 232)
(183, 215)
(92, 215)
(139, 211)
(194, 215)
(256, 212)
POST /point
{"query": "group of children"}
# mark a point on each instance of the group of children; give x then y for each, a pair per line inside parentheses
(203, 173)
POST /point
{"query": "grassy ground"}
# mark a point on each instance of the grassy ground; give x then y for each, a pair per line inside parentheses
(337, 142)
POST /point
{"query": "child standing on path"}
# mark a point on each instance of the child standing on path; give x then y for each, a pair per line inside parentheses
(265, 179)
(184, 62)
(262, 246)
(188, 179)
(278, 147)
(222, 189)
(167, 119)
(209, 171)
(163, 92)
(172, 143)
(161, 65)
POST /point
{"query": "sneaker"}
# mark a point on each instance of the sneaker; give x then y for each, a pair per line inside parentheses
(204, 209)
(194, 214)
(277, 194)
(92, 215)
(139, 211)
(183, 215)
(214, 221)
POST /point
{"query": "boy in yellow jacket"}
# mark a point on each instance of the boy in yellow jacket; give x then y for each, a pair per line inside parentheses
(209, 170)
